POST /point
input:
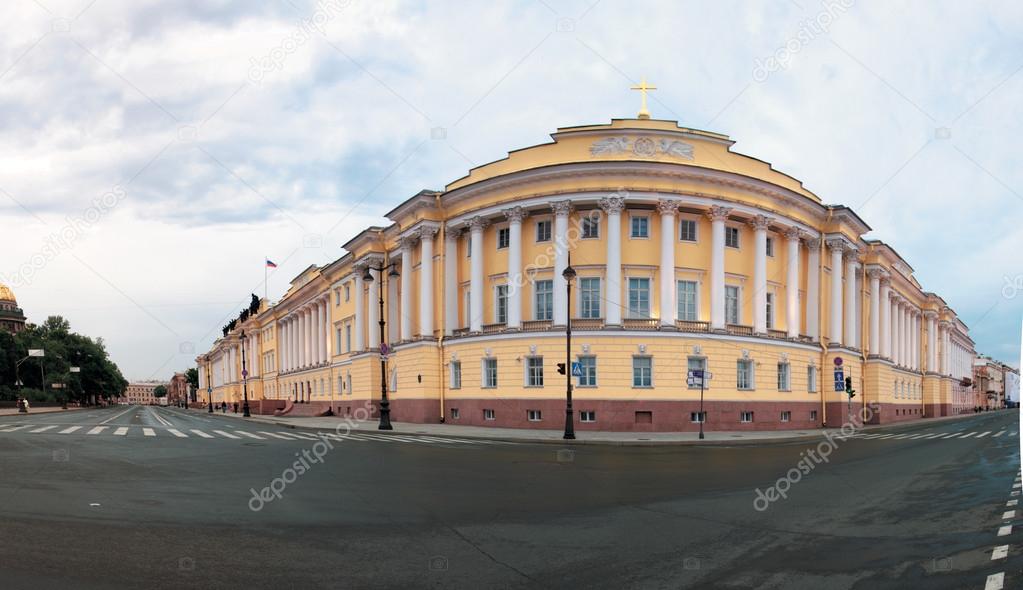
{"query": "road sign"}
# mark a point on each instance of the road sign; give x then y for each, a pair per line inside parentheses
(36, 352)
(209, 390)
(838, 361)
(577, 369)
(700, 373)
(245, 373)
(839, 379)
(384, 349)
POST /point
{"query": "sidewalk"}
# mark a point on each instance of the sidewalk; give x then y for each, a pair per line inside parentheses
(586, 436)
(31, 410)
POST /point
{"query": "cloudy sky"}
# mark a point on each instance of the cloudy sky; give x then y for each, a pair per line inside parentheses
(153, 152)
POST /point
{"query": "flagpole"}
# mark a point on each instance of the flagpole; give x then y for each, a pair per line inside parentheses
(265, 273)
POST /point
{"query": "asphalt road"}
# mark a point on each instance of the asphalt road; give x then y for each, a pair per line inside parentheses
(157, 505)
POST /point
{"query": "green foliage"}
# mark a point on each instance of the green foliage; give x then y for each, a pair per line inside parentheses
(99, 376)
(159, 391)
(192, 376)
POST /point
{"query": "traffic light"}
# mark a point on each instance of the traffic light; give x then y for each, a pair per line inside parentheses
(561, 368)
(848, 387)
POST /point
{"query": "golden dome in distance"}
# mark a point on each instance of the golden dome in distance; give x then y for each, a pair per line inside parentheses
(6, 294)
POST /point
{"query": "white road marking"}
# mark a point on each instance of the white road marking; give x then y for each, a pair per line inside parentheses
(97, 430)
(1000, 552)
(70, 430)
(995, 581)
(868, 436)
(303, 435)
(201, 433)
(932, 435)
(1005, 530)
(1008, 514)
(983, 434)
(249, 434)
(225, 434)
(1012, 433)
(1016, 485)
(968, 435)
(282, 437)
(456, 440)
(112, 418)
(916, 436)
(148, 432)
(1000, 433)
(43, 429)
(161, 419)
(364, 436)
(1015, 493)
(885, 436)
(16, 428)
(177, 433)
(121, 431)
(1012, 502)
(951, 435)
(900, 436)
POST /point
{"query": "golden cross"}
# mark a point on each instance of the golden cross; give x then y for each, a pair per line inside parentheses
(643, 89)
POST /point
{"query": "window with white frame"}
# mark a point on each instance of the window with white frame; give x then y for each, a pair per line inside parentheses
(337, 338)
(784, 379)
(543, 299)
(732, 304)
(348, 292)
(501, 304)
(770, 310)
(503, 237)
(813, 414)
(642, 371)
(589, 297)
(639, 226)
(639, 298)
(348, 338)
(590, 227)
(337, 297)
(687, 230)
(696, 363)
(456, 374)
(489, 372)
(744, 374)
(811, 379)
(454, 414)
(732, 237)
(534, 371)
(543, 230)
(686, 298)
(786, 416)
(588, 364)
(489, 414)
(770, 246)
(587, 416)
(534, 415)
(697, 417)
(745, 416)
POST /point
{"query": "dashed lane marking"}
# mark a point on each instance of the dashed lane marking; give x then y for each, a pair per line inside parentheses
(1008, 514)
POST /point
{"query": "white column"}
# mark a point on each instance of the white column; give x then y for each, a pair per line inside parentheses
(852, 300)
(561, 212)
(426, 235)
(837, 247)
(896, 330)
(324, 327)
(393, 302)
(328, 331)
(304, 331)
(451, 280)
(875, 311)
(282, 357)
(917, 349)
(515, 215)
(932, 343)
(613, 206)
(373, 307)
(886, 317)
(759, 225)
(668, 210)
(360, 331)
(792, 283)
(813, 291)
(407, 244)
(476, 227)
(905, 333)
(717, 216)
(317, 328)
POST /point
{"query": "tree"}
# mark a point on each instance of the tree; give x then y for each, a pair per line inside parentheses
(160, 391)
(192, 376)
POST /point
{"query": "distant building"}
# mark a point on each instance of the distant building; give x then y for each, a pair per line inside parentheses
(991, 381)
(12, 319)
(1012, 387)
(178, 390)
(141, 393)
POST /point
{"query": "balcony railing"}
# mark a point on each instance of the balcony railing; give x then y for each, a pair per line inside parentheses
(536, 325)
(739, 330)
(779, 334)
(587, 323)
(692, 326)
(493, 328)
(640, 323)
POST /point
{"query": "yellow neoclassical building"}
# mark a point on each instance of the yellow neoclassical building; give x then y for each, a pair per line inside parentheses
(688, 255)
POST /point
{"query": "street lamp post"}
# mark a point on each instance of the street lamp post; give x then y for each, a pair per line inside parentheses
(569, 274)
(37, 352)
(209, 386)
(245, 380)
(385, 405)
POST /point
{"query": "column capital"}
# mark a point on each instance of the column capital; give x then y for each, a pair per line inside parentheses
(426, 232)
(759, 222)
(667, 206)
(612, 204)
(717, 213)
(794, 233)
(876, 273)
(477, 223)
(851, 254)
(409, 241)
(453, 234)
(930, 314)
(515, 214)
(561, 208)
(837, 244)
(886, 281)
(812, 243)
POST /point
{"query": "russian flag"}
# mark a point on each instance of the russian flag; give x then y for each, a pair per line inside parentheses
(270, 263)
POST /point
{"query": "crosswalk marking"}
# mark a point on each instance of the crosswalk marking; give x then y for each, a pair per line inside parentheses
(121, 431)
(995, 581)
(249, 434)
(97, 430)
(1000, 552)
(16, 428)
(1012, 433)
(70, 430)
(983, 434)
(148, 432)
(1005, 530)
(303, 436)
(43, 429)
(1008, 514)
(951, 435)
(225, 434)
(201, 433)
(968, 435)
(1000, 433)
(177, 433)
(916, 436)
(274, 435)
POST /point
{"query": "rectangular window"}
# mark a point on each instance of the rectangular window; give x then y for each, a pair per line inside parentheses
(642, 371)
(770, 246)
(337, 339)
(454, 413)
(533, 415)
(640, 227)
(744, 374)
(783, 377)
(501, 307)
(587, 416)
(348, 293)
(687, 230)
(732, 237)
(745, 416)
(534, 371)
(488, 415)
(811, 379)
(588, 364)
(697, 417)
(543, 303)
(813, 415)
(543, 231)
(489, 372)
(589, 297)
(770, 310)
(687, 301)
(503, 237)
(731, 304)
(590, 228)
(696, 363)
(337, 297)
(786, 416)
(456, 375)
(639, 298)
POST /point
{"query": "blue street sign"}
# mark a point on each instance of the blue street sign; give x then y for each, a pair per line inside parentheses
(839, 380)
(696, 373)
(577, 369)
